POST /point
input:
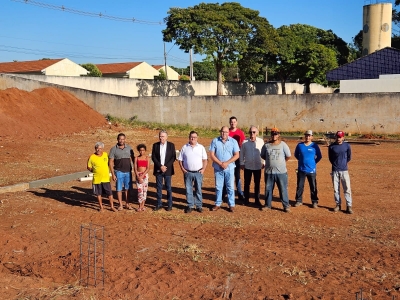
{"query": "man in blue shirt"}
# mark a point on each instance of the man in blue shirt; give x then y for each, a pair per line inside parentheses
(224, 151)
(308, 155)
(339, 155)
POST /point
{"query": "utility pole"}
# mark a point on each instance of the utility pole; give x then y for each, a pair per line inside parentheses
(191, 64)
(165, 62)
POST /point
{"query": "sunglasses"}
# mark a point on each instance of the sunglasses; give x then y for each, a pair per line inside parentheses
(274, 133)
(252, 131)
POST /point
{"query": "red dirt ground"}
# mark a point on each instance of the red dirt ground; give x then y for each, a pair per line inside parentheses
(250, 254)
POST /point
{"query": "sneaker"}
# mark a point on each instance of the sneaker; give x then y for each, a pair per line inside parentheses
(337, 208)
(349, 210)
(297, 204)
(315, 205)
(265, 208)
(199, 209)
(286, 209)
(188, 210)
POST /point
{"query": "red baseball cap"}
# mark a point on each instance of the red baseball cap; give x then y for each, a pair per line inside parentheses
(340, 134)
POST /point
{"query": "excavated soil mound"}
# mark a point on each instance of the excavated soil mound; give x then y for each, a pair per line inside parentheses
(44, 112)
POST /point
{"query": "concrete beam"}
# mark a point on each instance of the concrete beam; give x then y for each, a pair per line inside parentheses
(57, 179)
(14, 188)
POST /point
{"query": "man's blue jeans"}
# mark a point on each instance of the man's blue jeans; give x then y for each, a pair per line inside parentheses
(194, 179)
(281, 181)
(312, 181)
(225, 177)
(159, 182)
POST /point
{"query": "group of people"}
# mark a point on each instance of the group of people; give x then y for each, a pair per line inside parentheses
(229, 153)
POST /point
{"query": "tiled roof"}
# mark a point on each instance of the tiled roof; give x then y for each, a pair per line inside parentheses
(117, 68)
(158, 67)
(384, 61)
(27, 66)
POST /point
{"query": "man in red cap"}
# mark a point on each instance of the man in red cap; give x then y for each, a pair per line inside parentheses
(339, 155)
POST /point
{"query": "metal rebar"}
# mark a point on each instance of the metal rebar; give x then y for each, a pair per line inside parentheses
(92, 242)
(80, 255)
(95, 258)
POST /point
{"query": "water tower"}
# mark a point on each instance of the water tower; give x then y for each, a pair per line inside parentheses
(377, 25)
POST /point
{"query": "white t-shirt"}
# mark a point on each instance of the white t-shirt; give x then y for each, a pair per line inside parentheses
(192, 157)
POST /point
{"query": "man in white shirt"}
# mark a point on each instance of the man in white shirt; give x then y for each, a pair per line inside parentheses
(252, 163)
(193, 162)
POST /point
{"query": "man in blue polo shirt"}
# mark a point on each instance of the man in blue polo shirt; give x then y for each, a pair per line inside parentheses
(224, 151)
(308, 155)
(121, 159)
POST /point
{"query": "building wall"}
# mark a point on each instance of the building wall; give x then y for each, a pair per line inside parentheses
(172, 74)
(65, 67)
(385, 84)
(143, 71)
(364, 113)
(134, 87)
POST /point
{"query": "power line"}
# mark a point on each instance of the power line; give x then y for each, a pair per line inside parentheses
(68, 44)
(87, 14)
(11, 49)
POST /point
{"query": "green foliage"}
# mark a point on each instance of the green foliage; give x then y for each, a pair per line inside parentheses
(181, 71)
(162, 75)
(222, 32)
(93, 70)
(296, 59)
(173, 129)
(184, 78)
(204, 70)
(396, 13)
(314, 61)
(396, 20)
(357, 44)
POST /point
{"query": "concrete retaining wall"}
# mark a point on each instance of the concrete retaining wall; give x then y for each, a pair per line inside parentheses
(366, 113)
(135, 88)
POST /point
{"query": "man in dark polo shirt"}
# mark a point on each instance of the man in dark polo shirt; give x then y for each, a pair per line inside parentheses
(121, 159)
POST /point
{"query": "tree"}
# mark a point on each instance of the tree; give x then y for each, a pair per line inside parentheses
(357, 46)
(162, 75)
(314, 61)
(295, 43)
(184, 78)
(222, 32)
(396, 13)
(93, 70)
(396, 20)
(204, 70)
(254, 62)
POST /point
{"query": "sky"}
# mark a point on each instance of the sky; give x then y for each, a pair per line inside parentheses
(31, 29)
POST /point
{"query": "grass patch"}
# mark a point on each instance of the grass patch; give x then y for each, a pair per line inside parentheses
(173, 129)
(184, 129)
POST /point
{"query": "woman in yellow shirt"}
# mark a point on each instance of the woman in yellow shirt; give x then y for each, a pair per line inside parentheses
(98, 165)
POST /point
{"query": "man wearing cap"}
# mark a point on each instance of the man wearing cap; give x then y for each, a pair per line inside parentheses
(308, 155)
(193, 162)
(224, 151)
(339, 155)
(251, 163)
(276, 153)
